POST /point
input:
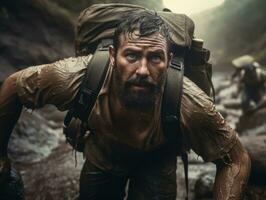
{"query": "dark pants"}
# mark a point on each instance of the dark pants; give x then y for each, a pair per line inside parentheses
(152, 179)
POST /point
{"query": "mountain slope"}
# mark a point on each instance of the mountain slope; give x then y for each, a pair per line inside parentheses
(234, 29)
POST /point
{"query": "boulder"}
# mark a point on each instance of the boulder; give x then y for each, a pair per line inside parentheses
(256, 147)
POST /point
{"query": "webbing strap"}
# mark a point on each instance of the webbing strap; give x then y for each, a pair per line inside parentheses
(91, 86)
(210, 82)
(172, 101)
(171, 111)
(184, 158)
(96, 72)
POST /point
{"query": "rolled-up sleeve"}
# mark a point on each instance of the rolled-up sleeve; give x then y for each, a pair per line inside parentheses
(205, 130)
(56, 83)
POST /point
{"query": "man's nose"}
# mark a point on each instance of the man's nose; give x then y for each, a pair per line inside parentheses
(142, 69)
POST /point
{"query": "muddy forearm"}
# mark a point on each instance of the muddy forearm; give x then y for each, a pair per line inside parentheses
(10, 109)
(232, 175)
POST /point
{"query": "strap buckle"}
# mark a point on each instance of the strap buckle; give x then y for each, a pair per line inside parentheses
(176, 64)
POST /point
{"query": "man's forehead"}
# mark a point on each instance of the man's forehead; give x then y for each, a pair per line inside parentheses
(133, 39)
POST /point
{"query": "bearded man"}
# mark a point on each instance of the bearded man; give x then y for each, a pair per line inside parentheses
(126, 140)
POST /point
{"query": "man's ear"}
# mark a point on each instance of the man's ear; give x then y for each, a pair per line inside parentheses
(170, 58)
(112, 55)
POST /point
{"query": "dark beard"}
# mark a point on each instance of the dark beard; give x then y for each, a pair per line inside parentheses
(138, 100)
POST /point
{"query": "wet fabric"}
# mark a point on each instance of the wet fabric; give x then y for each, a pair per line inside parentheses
(205, 130)
(96, 184)
(56, 83)
(100, 20)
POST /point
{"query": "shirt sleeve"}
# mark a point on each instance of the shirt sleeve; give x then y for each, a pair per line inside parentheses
(205, 130)
(56, 83)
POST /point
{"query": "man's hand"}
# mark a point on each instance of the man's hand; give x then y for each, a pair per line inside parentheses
(232, 174)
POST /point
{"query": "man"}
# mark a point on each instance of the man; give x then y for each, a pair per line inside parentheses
(126, 140)
(251, 80)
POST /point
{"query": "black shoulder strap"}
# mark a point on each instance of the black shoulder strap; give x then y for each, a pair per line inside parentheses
(171, 110)
(172, 101)
(184, 158)
(91, 85)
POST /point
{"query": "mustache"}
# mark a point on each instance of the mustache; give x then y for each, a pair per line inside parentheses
(141, 81)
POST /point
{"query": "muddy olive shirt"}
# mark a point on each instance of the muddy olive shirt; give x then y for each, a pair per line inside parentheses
(205, 130)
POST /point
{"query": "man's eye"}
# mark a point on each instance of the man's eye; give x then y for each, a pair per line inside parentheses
(131, 57)
(156, 59)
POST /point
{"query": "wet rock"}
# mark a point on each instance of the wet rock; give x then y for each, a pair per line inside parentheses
(255, 193)
(227, 92)
(256, 147)
(204, 185)
(232, 104)
(55, 177)
(221, 84)
(35, 135)
(253, 124)
(196, 168)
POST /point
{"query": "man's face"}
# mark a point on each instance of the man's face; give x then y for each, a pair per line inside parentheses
(140, 69)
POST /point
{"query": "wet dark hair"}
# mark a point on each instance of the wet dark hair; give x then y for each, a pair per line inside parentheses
(146, 22)
(167, 10)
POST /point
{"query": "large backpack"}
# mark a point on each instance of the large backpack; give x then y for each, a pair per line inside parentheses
(94, 33)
